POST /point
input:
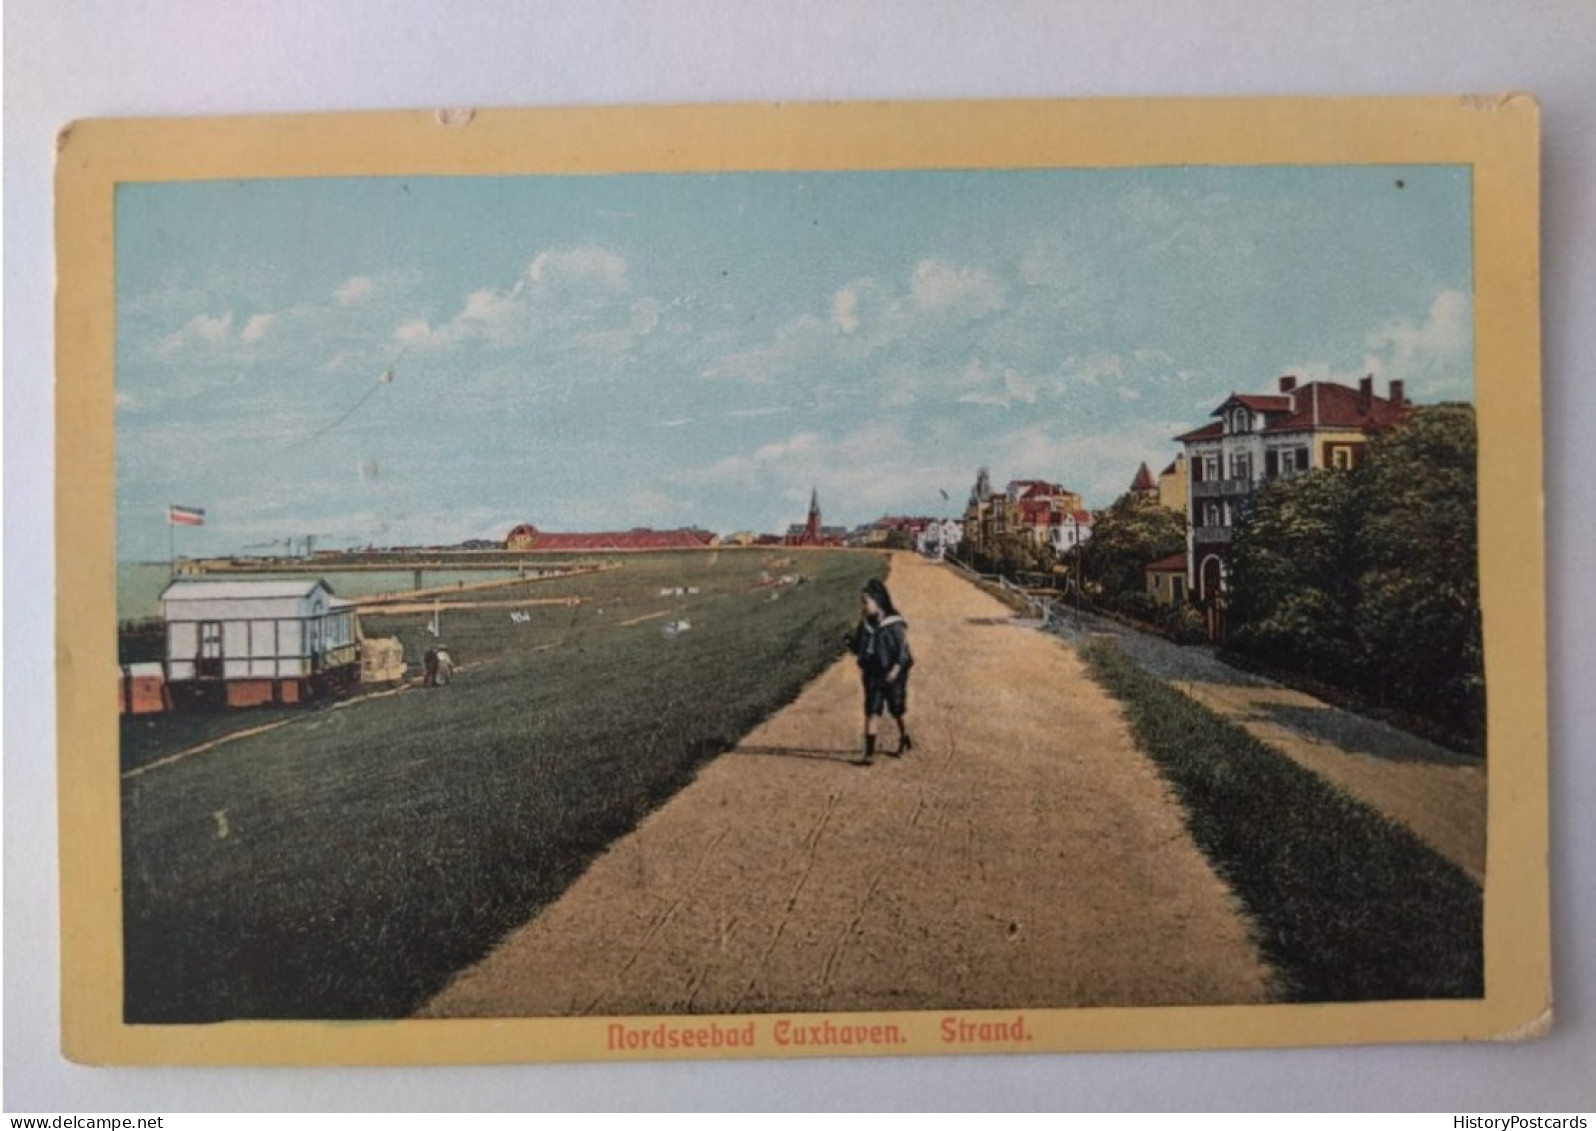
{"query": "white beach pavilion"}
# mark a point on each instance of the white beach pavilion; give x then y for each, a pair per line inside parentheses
(258, 641)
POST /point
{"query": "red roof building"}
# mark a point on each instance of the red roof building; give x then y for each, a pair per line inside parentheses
(1260, 437)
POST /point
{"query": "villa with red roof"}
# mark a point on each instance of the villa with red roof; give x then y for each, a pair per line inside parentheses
(1259, 437)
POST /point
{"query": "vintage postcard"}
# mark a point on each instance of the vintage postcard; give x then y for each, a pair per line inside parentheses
(829, 580)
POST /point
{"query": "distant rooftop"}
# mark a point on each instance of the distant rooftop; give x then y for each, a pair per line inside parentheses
(234, 590)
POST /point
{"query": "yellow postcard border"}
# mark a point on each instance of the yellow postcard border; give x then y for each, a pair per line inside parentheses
(1497, 135)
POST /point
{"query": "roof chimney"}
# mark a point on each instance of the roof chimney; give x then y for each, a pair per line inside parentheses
(1366, 394)
(1287, 383)
(1397, 397)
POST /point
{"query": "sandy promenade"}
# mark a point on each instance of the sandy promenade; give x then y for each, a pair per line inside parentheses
(1023, 854)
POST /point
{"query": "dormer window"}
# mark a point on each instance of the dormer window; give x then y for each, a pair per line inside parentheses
(1240, 419)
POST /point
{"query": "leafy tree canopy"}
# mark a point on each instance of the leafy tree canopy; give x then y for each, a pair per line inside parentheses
(1370, 578)
(1125, 538)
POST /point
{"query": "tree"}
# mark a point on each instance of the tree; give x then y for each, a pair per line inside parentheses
(1125, 538)
(1370, 579)
(1294, 571)
(1420, 608)
(1014, 553)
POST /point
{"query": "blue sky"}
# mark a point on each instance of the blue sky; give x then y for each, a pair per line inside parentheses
(603, 352)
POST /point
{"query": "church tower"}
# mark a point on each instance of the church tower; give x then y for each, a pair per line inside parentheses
(982, 491)
(812, 526)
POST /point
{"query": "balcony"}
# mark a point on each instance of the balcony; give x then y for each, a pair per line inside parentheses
(1212, 534)
(1221, 488)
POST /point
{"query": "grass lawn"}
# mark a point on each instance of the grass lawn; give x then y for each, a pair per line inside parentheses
(344, 866)
(1348, 906)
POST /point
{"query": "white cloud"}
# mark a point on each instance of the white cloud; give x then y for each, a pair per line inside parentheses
(257, 326)
(202, 329)
(579, 267)
(1094, 368)
(803, 344)
(965, 292)
(1099, 465)
(413, 333)
(802, 442)
(566, 296)
(845, 309)
(657, 504)
(998, 387)
(645, 316)
(1049, 263)
(1444, 333)
(1020, 388)
(353, 290)
(487, 313)
(859, 474)
(1432, 356)
(300, 333)
(863, 321)
(1433, 353)
(744, 470)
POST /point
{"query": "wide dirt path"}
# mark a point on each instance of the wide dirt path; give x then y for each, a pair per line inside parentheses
(1023, 854)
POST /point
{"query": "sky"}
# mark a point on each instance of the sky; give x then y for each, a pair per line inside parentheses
(426, 360)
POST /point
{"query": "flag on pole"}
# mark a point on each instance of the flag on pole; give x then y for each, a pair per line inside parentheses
(185, 516)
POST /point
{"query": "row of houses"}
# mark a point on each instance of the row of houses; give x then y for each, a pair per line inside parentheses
(929, 535)
(1039, 512)
(1252, 439)
(933, 537)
